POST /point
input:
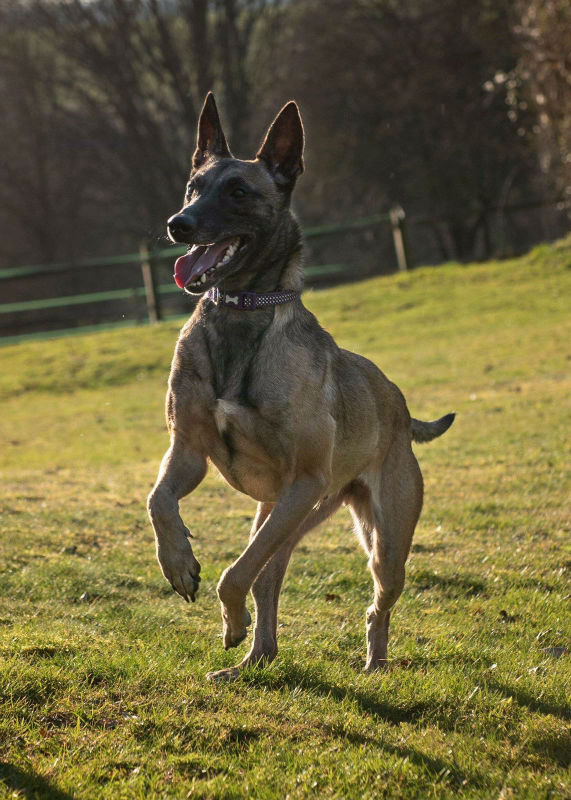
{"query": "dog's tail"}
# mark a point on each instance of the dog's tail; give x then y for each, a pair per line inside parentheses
(427, 431)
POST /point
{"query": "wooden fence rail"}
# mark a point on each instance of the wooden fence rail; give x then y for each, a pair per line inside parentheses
(148, 260)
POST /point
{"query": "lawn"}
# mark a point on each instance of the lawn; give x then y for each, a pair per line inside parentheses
(102, 667)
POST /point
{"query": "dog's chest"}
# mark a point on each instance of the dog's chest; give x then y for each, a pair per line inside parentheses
(246, 446)
(233, 399)
(233, 348)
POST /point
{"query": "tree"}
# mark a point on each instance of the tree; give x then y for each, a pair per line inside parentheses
(398, 108)
(543, 72)
(121, 82)
(444, 107)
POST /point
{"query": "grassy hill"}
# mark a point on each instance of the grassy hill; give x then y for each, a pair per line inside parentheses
(102, 667)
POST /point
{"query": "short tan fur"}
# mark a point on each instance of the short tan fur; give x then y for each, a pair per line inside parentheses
(289, 418)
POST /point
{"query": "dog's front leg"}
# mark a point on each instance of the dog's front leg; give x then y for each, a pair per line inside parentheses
(182, 469)
(292, 506)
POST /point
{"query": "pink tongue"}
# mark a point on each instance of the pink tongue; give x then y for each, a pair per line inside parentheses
(201, 257)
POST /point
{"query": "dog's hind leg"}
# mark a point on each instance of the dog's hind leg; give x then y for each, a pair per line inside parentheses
(387, 521)
(267, 586)
(182, 469)
(293, 505)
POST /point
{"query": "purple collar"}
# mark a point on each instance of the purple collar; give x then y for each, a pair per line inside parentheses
(250, 301)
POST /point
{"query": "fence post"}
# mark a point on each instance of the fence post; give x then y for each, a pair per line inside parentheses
(153, 308)
(398, 224)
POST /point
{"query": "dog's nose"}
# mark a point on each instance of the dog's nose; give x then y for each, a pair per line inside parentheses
(181, 228)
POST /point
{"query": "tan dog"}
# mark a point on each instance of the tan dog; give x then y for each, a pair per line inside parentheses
(261, 390)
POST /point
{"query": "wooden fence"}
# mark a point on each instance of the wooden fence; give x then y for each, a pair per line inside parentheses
(146, 298)
(153, 292)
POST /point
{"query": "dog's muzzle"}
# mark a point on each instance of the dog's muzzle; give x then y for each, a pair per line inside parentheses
(182, 228)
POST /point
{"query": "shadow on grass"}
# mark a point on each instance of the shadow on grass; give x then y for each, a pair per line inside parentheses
(450, 585)
(418, 547)
(449, 772)
(554, 747)
(548, 745)
(27, 784)
(38, 693)
(367, 701)
(525, 698)
(533, 584)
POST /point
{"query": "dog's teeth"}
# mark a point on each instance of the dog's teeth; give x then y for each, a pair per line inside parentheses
(203, 278)
(230, 252)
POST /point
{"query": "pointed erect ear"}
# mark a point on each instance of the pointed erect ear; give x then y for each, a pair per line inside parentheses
(282, 150)
(210, 139)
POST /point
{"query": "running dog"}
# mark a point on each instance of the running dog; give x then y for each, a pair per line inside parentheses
(258, 388)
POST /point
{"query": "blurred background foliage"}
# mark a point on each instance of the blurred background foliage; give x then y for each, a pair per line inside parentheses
(452, 109)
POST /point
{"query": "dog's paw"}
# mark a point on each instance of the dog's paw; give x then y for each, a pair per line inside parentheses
(380, 665)
(224, 675)
(234, 627)
(257, 657)
(180, 567)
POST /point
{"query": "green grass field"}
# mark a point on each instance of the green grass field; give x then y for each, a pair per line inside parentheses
(102, 667)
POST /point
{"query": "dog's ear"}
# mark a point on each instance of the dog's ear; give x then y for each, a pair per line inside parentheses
(210, 139)
(282, 150)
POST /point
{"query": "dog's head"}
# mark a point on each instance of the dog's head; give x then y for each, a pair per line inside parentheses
(233, 208)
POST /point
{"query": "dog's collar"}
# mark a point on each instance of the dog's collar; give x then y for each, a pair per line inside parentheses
(249, 301)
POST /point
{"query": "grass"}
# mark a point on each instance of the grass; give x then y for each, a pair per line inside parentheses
(102, 667)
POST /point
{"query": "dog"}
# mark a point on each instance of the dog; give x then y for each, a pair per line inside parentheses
(258, 388)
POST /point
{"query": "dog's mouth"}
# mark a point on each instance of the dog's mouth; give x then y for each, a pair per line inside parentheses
(199, 269)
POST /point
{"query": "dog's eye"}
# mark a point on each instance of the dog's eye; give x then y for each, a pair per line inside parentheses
(238, 193)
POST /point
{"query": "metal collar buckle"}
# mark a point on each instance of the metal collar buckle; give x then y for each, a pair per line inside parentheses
(243, 301)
